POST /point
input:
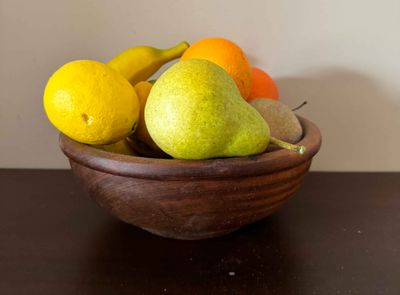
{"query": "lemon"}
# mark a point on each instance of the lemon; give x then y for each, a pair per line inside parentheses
(91, 103)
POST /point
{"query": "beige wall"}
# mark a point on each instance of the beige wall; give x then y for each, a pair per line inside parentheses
(342, 56)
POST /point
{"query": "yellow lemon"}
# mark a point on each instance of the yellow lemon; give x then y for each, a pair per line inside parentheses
(91, 103)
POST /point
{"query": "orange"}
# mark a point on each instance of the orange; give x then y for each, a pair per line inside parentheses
(263, 86)
(227, 55)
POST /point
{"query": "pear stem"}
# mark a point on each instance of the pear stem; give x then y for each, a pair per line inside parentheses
(301, 149)
(300, 106)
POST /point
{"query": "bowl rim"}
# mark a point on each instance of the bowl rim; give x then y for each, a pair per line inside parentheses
(153, 168)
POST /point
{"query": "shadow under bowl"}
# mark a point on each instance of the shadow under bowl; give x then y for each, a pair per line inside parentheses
(188, 199)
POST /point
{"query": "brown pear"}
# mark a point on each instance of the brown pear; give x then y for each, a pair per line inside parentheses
(282, 121)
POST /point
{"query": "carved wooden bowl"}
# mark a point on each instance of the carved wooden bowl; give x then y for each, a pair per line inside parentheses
(192, 200)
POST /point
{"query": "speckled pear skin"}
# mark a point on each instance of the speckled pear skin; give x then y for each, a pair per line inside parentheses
(195, 111)
(281, 119)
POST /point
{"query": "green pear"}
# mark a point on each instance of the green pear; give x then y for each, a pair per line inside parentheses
(195, 111)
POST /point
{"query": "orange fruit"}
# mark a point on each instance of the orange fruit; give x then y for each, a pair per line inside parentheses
(263, 86)
(227, 55)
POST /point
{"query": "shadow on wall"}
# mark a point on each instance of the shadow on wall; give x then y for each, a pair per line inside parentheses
(358, 118)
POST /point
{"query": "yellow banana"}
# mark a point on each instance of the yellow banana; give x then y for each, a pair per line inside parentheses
(140, 63)
(120, 147)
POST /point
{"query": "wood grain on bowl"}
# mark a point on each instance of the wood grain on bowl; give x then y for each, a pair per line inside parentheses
(191, 199)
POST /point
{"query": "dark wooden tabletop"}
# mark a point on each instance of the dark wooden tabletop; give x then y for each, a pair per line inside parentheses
(340, 234)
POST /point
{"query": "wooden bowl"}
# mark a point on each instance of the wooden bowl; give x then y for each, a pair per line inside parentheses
(191, 200)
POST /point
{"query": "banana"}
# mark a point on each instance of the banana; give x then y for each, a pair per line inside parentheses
(141, 62)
